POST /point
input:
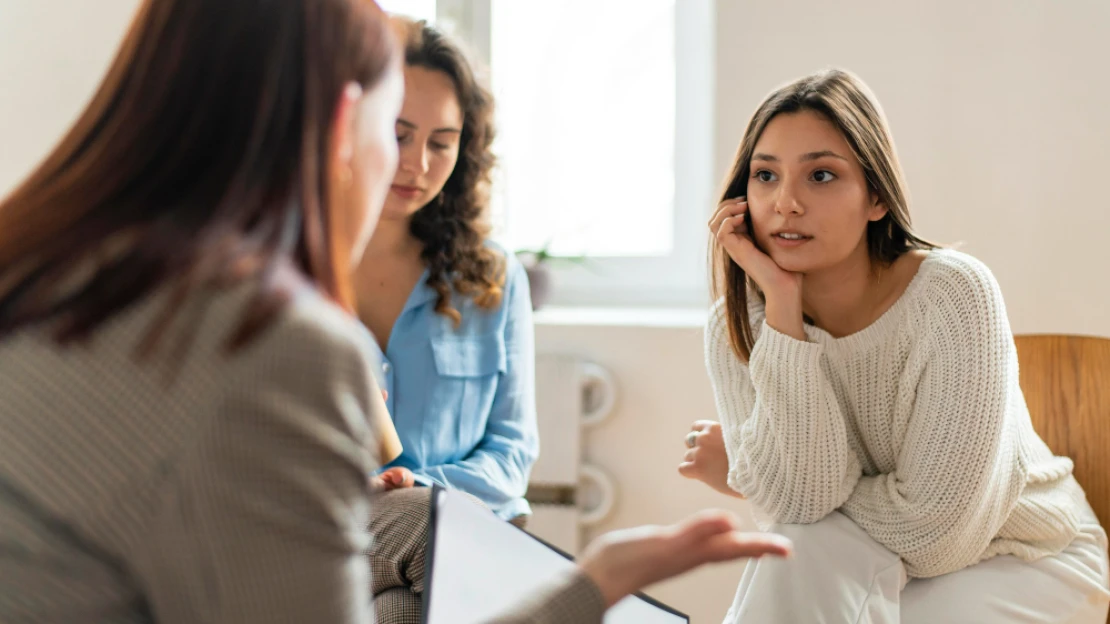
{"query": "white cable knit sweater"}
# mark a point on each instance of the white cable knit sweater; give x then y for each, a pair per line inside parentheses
(915, 427)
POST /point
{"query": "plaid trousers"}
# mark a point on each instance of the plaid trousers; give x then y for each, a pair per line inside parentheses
(399, 522)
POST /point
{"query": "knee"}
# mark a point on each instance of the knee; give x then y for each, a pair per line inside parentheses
(833, 537)
(835, 523)
(406, 506)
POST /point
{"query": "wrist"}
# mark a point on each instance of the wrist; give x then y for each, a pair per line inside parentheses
(784, 314)
(609, 585)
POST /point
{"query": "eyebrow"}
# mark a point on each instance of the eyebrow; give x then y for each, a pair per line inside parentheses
(409, 124)
(804, 157)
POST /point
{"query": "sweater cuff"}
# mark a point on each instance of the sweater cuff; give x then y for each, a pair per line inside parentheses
(775, 351)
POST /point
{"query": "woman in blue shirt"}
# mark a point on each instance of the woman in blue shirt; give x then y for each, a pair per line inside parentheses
(451, 312)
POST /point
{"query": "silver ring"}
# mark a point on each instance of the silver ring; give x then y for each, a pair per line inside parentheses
(691, 439)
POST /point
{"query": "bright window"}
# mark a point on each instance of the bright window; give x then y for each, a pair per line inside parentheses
(604, 120)
(416, 9)
(586, 116)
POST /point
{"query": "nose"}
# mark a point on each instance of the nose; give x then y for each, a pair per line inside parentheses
(413, 159)
(787, 202)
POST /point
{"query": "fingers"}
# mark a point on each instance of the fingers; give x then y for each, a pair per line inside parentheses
(398, 477)
(706, 524)
(688, 470)
(727, 210)
(702, 425)
(739, 246)
(739, 544)
(713, 536)
(730, 226)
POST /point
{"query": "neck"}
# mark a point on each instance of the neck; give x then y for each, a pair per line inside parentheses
(842, 298)
(393, 239)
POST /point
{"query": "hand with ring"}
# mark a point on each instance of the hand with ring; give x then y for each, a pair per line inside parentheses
(706, 459)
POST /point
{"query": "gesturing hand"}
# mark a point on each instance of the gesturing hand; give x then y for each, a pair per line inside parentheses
(623, 562)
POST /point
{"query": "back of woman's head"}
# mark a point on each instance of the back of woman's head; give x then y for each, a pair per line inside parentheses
(201, 159)
(454, 226)
(845, 101)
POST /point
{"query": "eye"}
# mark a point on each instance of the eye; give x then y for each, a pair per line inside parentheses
(439, 147)
(403, 138)
(764, 176)
(823, 176)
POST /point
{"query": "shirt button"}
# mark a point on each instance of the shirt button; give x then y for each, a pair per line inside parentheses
(386, 367)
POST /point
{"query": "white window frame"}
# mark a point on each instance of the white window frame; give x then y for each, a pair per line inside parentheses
(678, 279)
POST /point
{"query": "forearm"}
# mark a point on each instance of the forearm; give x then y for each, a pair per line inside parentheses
(793, 458)
(494, 477)
(784, 314)
(573, 599)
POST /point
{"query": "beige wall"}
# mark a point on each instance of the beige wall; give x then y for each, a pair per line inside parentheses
(53, 53)
(1001, 113)
(662, 388)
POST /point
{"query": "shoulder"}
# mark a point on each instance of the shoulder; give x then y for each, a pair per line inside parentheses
(953, 280)
(959, 298)
(513, 307)
(311, 340)
(946, 269)
(515, 286)
(512, 267)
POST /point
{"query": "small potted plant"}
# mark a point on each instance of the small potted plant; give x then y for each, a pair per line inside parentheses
(537, 265)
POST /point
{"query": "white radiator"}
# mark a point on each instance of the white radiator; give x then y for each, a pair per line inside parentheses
(567, 493)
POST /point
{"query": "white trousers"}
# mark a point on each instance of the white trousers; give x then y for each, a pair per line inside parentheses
(840, 575)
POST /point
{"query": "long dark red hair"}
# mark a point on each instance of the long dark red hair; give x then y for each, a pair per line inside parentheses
(201, 160)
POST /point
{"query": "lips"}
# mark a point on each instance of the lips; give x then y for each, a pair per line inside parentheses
(407, 192)
(788, 239)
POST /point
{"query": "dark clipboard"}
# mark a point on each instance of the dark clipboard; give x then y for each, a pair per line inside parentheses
(429, 562)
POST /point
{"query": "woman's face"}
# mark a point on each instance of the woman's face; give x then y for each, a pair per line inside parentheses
(366, 154)
(807, 195)
(428, 133)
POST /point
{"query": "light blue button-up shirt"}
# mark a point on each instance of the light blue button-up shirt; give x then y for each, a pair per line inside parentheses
(463, 400)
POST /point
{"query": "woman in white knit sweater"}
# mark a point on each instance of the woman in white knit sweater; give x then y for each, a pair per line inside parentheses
(866, 384)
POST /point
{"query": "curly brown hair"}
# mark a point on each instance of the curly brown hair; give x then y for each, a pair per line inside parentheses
(453, 227)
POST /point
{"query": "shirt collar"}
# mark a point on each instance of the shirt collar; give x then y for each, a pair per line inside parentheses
(421, 293)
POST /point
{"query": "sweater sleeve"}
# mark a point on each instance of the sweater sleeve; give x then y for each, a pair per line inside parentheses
(784, 432)
(956, 476)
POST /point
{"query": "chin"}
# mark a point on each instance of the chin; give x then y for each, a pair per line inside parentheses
(795, 262)
(394, 212)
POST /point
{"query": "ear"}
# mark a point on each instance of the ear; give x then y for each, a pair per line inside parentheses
(878, 208)
(343, 130)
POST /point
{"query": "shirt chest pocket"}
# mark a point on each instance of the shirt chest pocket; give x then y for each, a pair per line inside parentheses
(467, 373)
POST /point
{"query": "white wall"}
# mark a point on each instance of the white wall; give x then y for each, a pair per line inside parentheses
(662, 389)
(1001, 113)
(53, 53)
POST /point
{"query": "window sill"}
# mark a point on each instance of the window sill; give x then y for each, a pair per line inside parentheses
(580, 316)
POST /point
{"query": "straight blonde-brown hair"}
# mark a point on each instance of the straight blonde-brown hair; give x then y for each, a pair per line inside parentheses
(846, 102)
